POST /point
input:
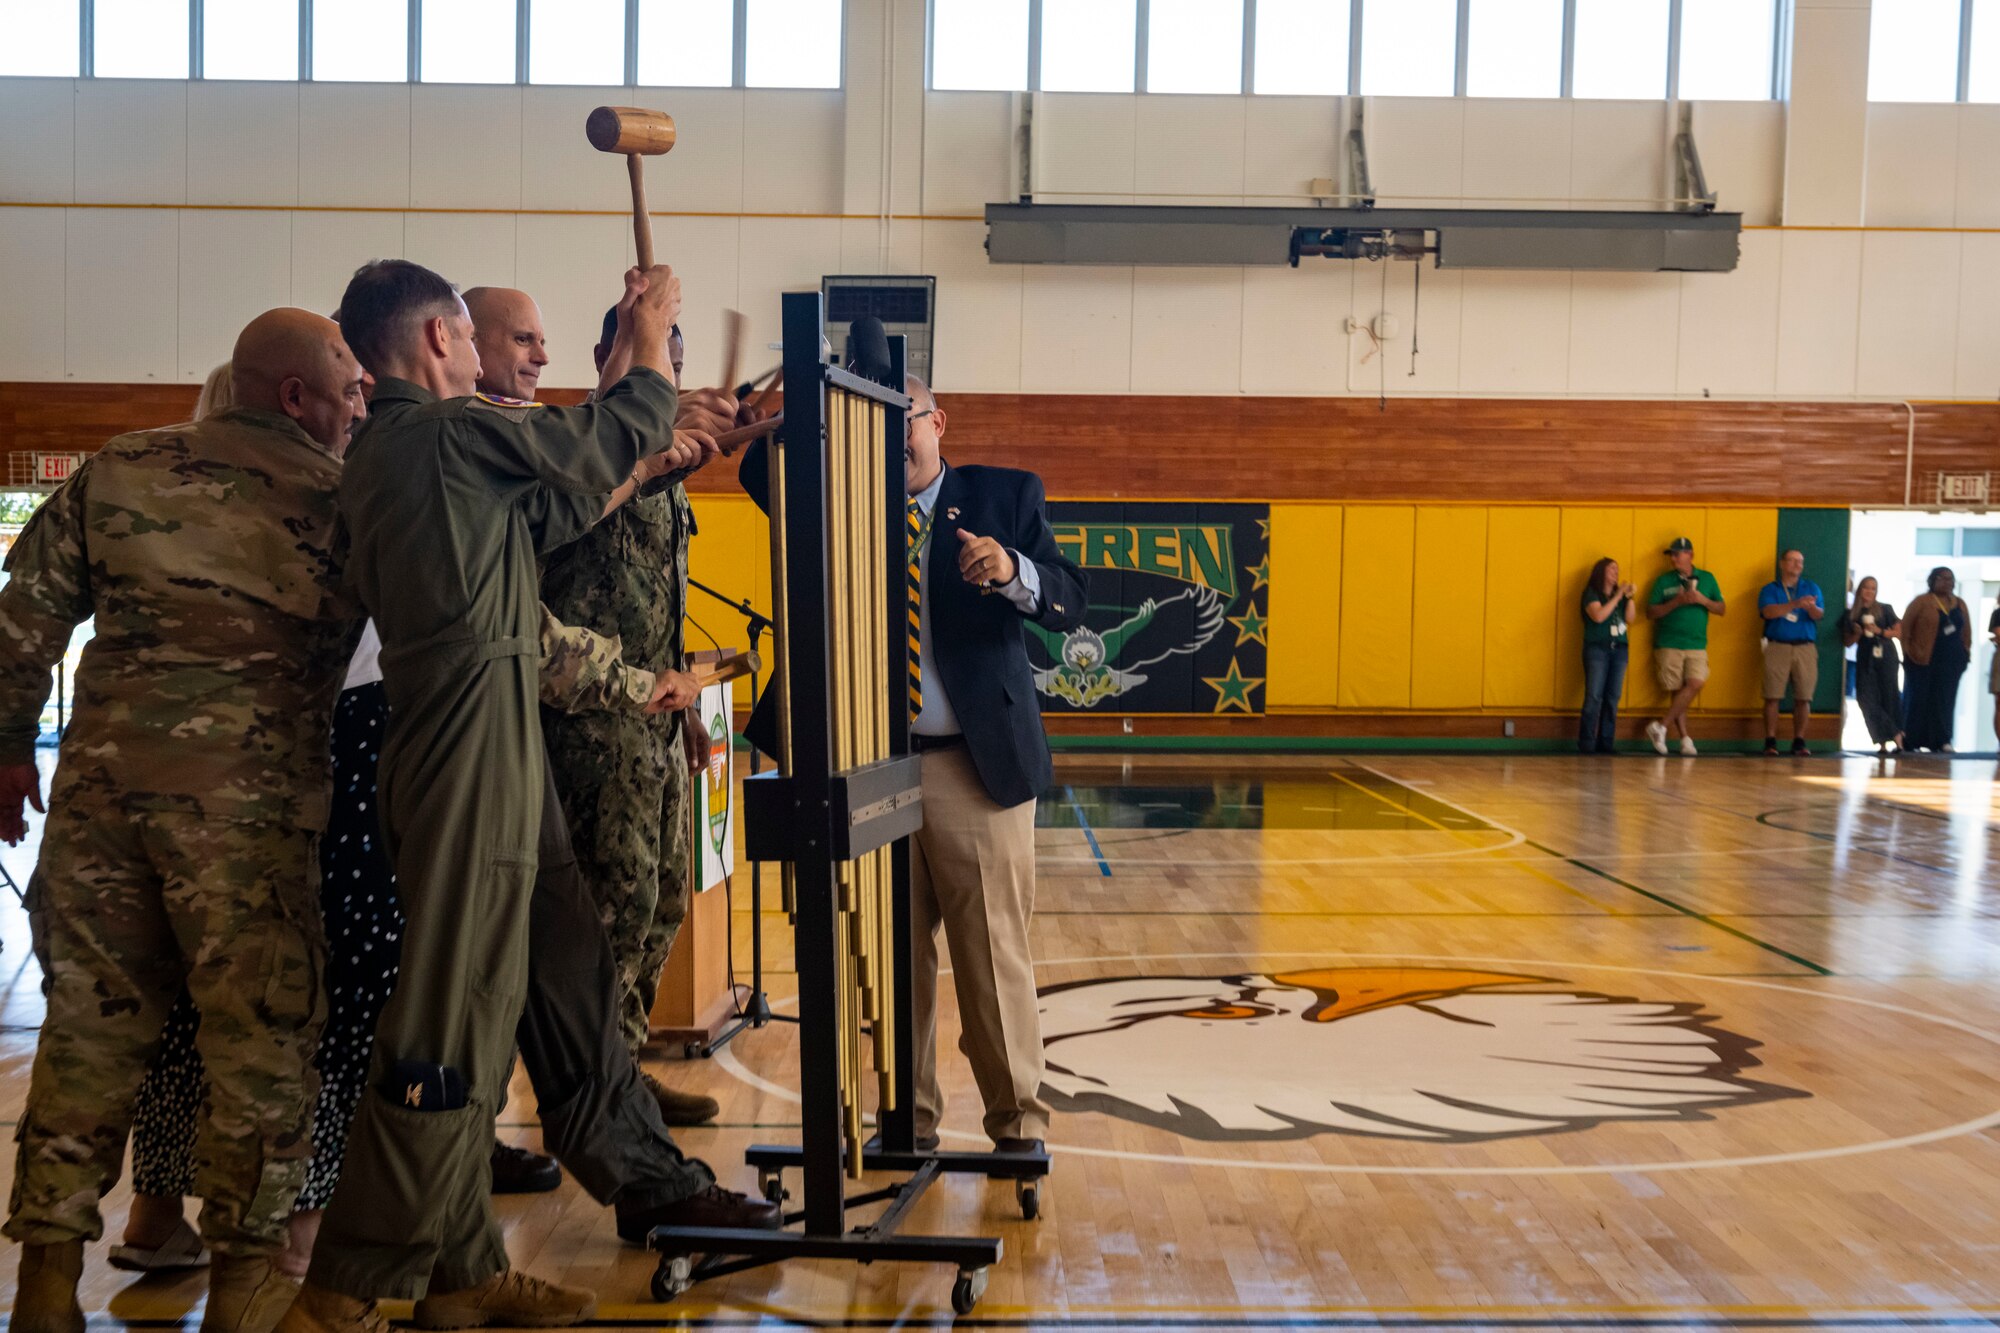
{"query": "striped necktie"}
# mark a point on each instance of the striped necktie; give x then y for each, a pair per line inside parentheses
(914, 584)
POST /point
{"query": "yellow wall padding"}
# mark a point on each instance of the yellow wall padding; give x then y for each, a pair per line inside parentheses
(1305, 598)
(1376, 586)
(1448, 641)
(1522, 597)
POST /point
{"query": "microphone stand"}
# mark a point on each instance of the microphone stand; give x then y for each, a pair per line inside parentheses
(756, 1012)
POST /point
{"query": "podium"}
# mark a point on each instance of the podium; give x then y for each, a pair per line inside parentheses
(694, 1001)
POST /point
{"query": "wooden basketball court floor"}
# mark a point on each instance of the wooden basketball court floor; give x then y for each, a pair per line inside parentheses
(1422, 1041)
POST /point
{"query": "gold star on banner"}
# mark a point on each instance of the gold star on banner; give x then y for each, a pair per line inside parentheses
(1264, 528)
(1250, 627)
(1233, 689)
(1260, 574)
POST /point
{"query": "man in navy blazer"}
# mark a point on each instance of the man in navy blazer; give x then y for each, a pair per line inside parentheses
(987, 561)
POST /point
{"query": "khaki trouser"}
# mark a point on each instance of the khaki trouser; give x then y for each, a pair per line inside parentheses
(129, 906)
(972, 870)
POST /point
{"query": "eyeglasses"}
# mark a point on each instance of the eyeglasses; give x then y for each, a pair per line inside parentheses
(910, 422)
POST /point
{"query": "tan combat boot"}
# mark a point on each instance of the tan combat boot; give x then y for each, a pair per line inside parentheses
(512, 1300)
(246, 1294)
(318, 1310)
(45, 1297)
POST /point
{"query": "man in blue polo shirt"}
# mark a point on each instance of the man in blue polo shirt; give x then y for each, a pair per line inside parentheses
(1791, 605)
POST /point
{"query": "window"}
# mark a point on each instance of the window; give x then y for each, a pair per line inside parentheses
(1409, 48)
(1913, 51)
(1621, 49)
(249, 39)
(576, 41)
(140, 39)
(1514, 48)
(1728, 49)
(1194, 46)
(1088, 46)
(979, 44)
(468, 41)
(792, 44)
(687, 43)
(1302, 47)
(1979, 541)
(1983, 72)
(361, 41)
(42, 38)
(1934, 541)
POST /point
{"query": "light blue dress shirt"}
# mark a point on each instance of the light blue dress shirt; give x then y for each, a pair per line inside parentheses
(1025, 592)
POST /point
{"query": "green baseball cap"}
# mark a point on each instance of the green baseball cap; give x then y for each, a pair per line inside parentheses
(1679, 544)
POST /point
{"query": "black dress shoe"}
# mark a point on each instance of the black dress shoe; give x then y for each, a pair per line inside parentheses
(713, 1207)
(518, 1171)
(1021, 1146)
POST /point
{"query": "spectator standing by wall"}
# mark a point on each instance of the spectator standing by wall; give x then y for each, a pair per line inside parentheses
(1605, 653)
(1791, 606)
(1682, 600)
(1870, 628)
(1937, 646)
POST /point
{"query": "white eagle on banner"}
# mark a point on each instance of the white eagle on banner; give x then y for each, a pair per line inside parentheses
(1435, 1054)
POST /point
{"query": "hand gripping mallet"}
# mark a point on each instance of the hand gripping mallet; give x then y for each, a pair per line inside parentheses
(636, 133)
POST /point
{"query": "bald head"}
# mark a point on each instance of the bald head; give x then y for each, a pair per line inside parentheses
(296, 363)
(507, 330)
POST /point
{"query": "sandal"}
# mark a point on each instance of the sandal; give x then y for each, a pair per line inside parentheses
(181, 1251)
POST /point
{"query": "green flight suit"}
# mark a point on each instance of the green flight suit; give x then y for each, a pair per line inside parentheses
(448, 503)
(623, 782)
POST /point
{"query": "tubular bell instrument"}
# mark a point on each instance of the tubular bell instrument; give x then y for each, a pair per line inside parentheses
(838, 815)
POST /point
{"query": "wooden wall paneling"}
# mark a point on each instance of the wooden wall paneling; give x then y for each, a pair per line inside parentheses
(1441, 450)
(1521, 585)
(1304, 661)
(1376, 586)
(1588, 535)
(1448, 631)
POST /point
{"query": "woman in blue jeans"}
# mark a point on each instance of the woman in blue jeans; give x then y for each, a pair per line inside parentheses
(1605, 600)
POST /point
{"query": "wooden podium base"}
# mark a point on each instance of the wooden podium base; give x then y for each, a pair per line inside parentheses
(694, 1001)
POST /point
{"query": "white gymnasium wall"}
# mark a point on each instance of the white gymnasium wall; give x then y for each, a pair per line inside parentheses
(142, 222)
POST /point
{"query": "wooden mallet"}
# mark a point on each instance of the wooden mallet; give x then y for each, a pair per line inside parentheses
(636, 133)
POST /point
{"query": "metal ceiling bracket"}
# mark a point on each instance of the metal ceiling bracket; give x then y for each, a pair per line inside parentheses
(1691, 183)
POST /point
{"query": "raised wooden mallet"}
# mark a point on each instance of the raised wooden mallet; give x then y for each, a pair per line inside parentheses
(637, 133)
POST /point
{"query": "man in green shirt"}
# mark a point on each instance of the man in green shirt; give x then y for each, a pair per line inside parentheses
(1682, 600)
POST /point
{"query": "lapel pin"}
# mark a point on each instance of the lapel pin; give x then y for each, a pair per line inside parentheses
(952, 513)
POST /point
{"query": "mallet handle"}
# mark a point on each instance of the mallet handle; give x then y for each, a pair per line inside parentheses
(642, 221)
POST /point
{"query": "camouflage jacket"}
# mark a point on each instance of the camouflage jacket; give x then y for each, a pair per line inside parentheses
(586, 672)
(210, 556)
(627, 578)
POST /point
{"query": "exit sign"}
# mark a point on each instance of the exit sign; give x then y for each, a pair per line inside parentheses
(55, 468)
(1962, 488)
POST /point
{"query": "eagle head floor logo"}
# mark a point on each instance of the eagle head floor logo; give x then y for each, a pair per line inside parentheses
(1439, 1055)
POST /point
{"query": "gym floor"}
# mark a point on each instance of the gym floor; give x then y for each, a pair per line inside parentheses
(1553, 1043)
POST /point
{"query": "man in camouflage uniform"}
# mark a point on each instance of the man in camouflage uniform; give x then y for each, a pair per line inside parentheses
(189, 790)
(622, 776)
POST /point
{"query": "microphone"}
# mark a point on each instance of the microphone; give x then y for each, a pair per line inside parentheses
(868, 349)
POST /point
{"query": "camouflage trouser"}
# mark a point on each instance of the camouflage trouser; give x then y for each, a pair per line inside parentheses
(624, 792)
(129, 906)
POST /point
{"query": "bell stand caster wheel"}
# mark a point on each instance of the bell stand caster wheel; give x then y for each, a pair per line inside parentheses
(965, 1292)
(1029, 1195)
(771, 1184)
(695, 1050)
(674, 1275)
